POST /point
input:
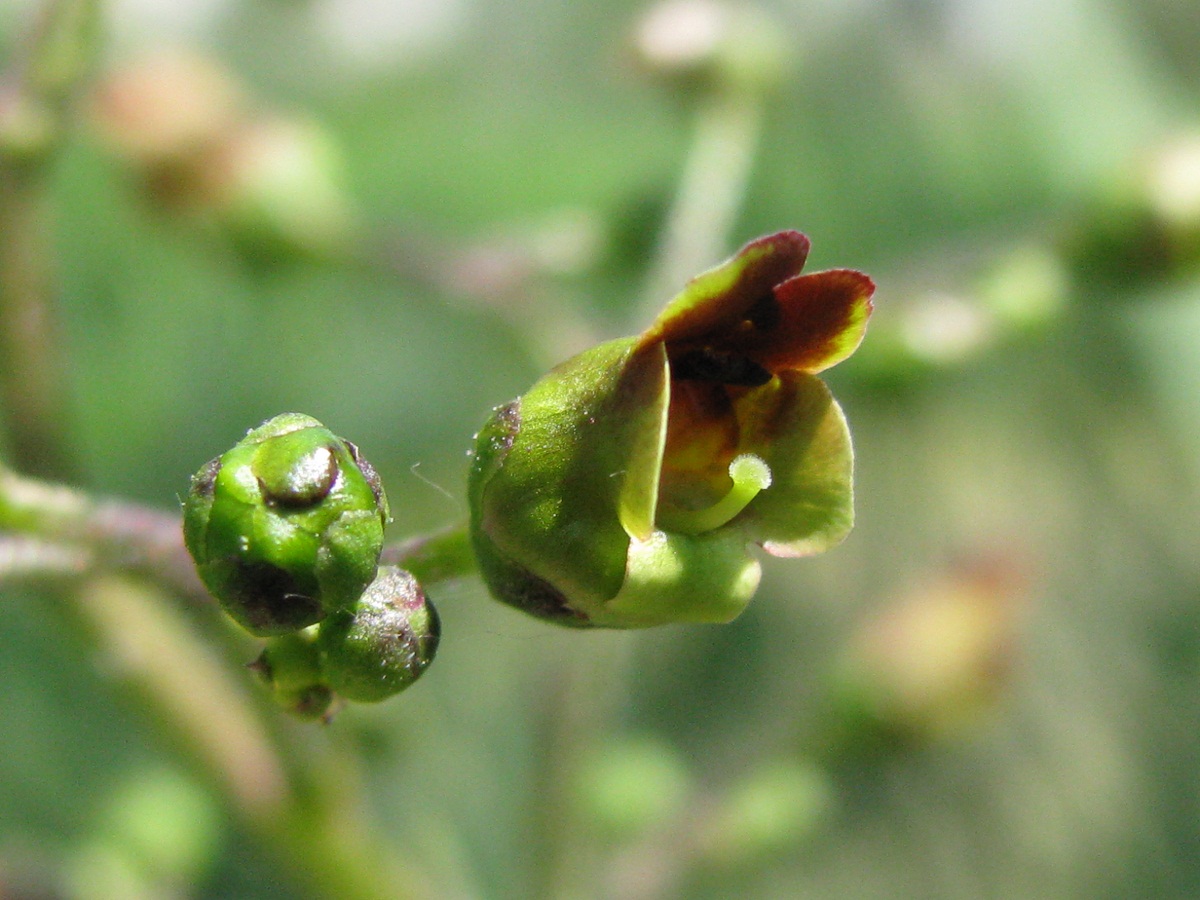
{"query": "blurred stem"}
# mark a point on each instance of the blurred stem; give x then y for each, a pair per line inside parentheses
(29, 557)
(124, 535)
(295, 798)
(728, 127)
(35, 106)
(130, 536)
(578, 714)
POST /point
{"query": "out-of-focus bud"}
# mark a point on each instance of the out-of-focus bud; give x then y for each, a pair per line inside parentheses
(706, 44)
(291, 667)
(770, 811)
(157, 833)
(286, 527)
(164, 110)
(275, 186)
(1146, 226)
(933, 662)
(625, 487)
(634, 785)
(27, 128)
(270, 183)
(384, 644)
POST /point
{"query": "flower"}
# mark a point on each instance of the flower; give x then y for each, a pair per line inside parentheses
(624, 489)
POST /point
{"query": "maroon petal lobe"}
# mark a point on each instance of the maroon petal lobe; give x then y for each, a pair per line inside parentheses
(719, 300)
(821, 320)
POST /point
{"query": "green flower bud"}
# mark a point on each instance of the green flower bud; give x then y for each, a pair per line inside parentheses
(291, 667)
(624, 488)
(385, 644)
(286, 527)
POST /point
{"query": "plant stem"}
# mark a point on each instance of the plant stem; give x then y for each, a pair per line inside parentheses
(294, 796)
(35, 106)
(125, 535)
(727, 130)
(441, 556)
(28, 557)
(135, 537)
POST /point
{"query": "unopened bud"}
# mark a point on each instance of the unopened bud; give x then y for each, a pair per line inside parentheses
(287, 526)
(290, 666)
(384, 644)
(709, 43)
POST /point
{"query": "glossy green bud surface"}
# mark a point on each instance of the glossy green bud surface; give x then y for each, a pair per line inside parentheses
(286, 527)
(290, 666)
(384, 644)
(625, 488)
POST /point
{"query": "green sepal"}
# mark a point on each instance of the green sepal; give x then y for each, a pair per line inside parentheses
(564, 474)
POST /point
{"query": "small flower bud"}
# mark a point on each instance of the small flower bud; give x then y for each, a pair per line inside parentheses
(770, 810)
(290, 666)
(275, 187)
(287, 526)
(937, 661)
(161, 110)
(1145, 226)
(384, 644)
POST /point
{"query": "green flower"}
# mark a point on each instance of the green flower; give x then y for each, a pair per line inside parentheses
(286, 527)
(626, 487)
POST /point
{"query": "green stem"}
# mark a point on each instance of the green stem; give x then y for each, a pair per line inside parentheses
(34, 113)
(125, 535)
(441, 556)
(724, 144)
(139, 538)
(293, 795)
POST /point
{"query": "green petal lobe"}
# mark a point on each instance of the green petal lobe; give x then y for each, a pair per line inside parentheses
(798, 429)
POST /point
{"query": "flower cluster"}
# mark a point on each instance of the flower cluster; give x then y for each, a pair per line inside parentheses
(286, 530)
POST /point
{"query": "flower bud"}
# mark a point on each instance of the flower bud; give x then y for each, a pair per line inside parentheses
(384, 644)
(286, 527)
(711, 43)
(275, 187)
(937, 661)
(1145, 226)
(164, 109)
(290, 666)
(624, 488)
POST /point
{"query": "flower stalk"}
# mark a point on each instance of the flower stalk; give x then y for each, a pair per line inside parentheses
(35, 111)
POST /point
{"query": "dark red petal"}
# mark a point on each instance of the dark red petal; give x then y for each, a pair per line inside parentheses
(720, 299)
(822, 319)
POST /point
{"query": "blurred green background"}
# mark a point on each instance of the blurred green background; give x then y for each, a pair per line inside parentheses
(1026, 415)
